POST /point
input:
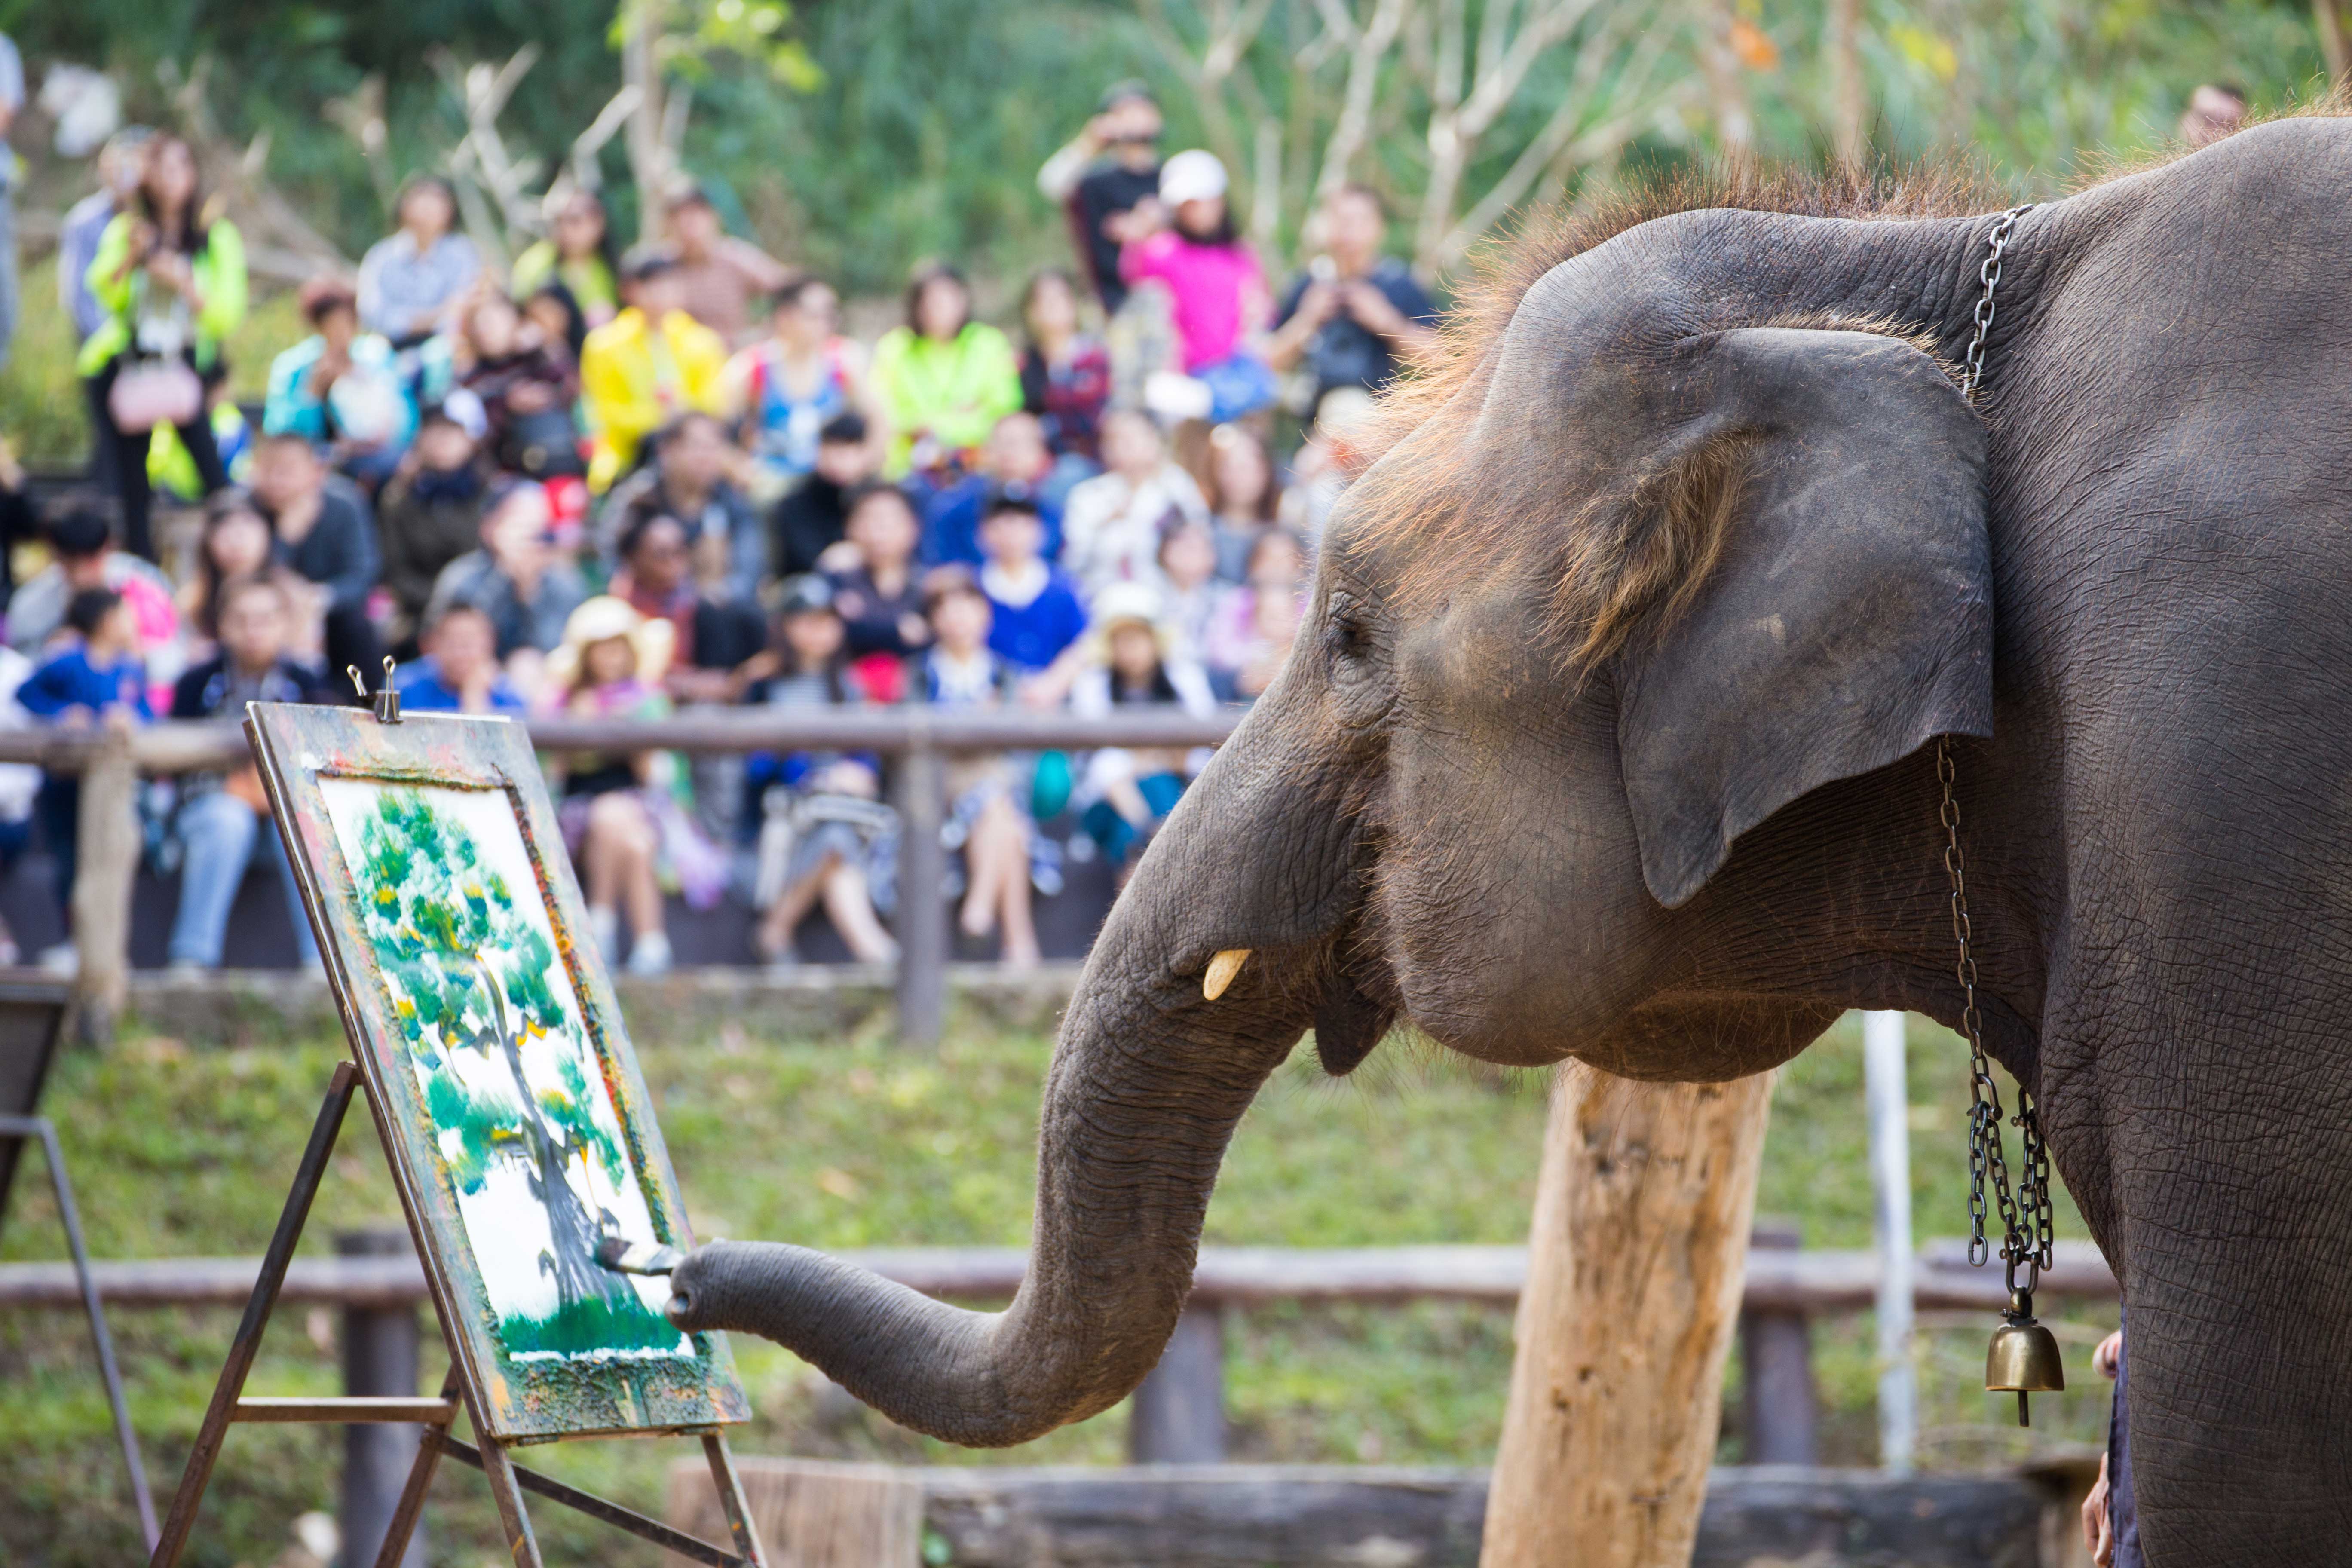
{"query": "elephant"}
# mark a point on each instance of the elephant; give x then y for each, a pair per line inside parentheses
(1611, 734)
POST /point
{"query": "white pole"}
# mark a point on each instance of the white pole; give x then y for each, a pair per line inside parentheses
(1890, 1180)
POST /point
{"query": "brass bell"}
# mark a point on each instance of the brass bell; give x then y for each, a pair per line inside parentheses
(2023, 1358)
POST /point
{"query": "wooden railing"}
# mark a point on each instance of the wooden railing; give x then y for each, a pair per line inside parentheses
(111, 763)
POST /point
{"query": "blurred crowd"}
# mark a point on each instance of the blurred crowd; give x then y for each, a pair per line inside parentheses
(614, 485)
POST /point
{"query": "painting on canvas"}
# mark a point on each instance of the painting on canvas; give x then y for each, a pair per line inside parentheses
(521, 1131)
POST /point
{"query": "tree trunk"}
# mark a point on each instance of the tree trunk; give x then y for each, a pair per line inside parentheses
(1842, 44)
(2330, 22)
(1726, 86)
(648, 158)
(1636, 1257)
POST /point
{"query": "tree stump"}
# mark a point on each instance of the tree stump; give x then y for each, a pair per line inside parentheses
(809, 1513)
(1636, 1257)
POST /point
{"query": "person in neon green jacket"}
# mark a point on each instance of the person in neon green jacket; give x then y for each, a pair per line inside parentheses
(170, 277)
(943, 380)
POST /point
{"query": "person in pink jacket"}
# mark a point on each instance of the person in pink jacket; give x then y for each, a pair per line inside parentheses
(1219, 304)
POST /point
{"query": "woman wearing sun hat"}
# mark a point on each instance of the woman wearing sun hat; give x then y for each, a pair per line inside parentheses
(1126, 793)
(622, 814)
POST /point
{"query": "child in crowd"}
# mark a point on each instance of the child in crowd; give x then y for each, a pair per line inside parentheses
(1035, 614)
(621, 814)
(1217, 290)
(431, 513)
(824, 836)
(1064, 371)
(984, 818)
(1015, 458)
(459, 672)
(1191, 596)
(341, 387)
(524, 386)
(517, 579)
(807, 526)
(94, 675)
(879, 599)
(1113, 522)
(237, 543)
(785, 390)
(1127, 793)
(711, 638)
(1251, 637)
(224, 819)
(86, 558)
(1243, 493)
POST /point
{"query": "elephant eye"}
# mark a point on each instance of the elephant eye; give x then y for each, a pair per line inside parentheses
(1345, 636)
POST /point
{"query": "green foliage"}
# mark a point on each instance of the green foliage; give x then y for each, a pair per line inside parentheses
(588, 1325)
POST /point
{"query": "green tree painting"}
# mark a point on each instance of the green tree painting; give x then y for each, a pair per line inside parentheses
(470, 969)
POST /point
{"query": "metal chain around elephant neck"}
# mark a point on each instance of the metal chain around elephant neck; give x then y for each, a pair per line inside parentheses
(2025, 1218)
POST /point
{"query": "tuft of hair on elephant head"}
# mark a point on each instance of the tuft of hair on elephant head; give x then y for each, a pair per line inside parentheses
(1611, 735)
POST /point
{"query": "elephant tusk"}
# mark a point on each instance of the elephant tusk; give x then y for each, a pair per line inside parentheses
(1222, 970)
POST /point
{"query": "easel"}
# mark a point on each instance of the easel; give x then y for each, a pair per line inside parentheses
(507, 1479)
(462, 1392)
(32, 1020)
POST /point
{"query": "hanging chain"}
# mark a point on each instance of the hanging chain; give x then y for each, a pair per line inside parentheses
(2025, 1216)
(1988, 275)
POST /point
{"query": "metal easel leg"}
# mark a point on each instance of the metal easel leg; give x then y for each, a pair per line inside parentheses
(499, 1469)
(248, 1343)
(732, 1500)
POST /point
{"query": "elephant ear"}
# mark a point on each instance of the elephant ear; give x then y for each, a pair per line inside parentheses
(1847, 618)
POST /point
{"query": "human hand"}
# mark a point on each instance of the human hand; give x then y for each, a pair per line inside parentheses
(913, 630)
(1373, 310)
(2098, 1521)
(2107, 1360)
(529, 398)
(1319, 304)
(1142, 221)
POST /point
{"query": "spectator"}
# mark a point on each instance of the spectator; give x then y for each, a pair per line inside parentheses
(20, 786)
(1243, 496)
(224, 818)
(1217, 297)
(1191, 596)
(1127, 793)
(785, 389)
(12, 99)
(877, 598)
(86, 559)
(1064, 371)
(984, 817)
(825, 834)
(171, 278)
(237, 543)
(1034, 613)
(94, 676)
(1348, 319)
(806, 528)
(577, 255)
(459, 670)
(516, 579)
(325, 534)
(943, 380)
(119, 167)
(20, 519)
(718, 275)
(711, 639)
(526, 389)
(1326, 461)
(432, 514)
(561, 324)
(339, 387)
(621, 814)
(1113, 522)
(644, 368)
(1251, 635)
(690, 479)
(412, 279)
(1015, 458)
(2213, 113)
(1100, 178)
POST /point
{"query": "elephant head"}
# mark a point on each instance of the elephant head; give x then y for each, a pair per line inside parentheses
(1658, 561)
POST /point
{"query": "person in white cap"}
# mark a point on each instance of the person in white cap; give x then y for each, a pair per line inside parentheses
(1219, 304)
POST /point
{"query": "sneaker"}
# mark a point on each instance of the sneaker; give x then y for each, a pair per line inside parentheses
(649, 954)
(605, 930)
(63, 959)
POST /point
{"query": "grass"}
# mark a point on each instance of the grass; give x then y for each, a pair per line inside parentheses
(42, 414)
(850, 1143)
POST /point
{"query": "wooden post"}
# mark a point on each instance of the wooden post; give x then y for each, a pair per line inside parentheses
(380, 1348)
(1780, 1413)
(106, 862)
(1885, 1088)
(808, 1513)
(922, 913)
(1178, 1415)
(1635, 1262)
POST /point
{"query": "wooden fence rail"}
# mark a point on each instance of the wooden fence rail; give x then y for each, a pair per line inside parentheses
(110, 761)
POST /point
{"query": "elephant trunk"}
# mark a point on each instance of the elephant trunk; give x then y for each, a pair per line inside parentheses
(1139, 1108)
